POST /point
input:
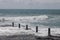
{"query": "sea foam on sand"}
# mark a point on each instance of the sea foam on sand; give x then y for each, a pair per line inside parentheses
(8, 31)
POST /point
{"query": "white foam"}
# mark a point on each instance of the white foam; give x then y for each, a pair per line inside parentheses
(26, 18)
(7, 31)
(23, 21)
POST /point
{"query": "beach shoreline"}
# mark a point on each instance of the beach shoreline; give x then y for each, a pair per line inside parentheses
(21, 33)
(16, 33)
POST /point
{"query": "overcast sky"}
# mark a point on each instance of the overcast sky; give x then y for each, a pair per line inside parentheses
(29, 4)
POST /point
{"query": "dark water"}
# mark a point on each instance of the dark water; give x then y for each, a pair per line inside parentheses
(40, 17)
(28, 12)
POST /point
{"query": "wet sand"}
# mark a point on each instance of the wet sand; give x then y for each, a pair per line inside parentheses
(18, 37)
(28, 37)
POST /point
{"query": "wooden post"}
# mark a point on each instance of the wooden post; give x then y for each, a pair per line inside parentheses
(36, 28)
(26, 27)
(19, 25)
(49, 32)
(12, 24)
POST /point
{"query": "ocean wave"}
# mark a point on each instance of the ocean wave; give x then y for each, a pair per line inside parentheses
(45, 20)
(25, 18)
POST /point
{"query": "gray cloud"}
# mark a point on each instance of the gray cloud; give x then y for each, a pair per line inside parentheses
(28, 4)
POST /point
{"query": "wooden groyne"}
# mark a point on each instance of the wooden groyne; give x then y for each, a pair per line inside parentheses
(19, 25)
(12, 24)
(36, 28)
(26, 27)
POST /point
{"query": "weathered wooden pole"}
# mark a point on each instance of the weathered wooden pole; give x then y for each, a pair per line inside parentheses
(36, 28)
(19, 25)
(26, 27)
(49, 32)
(12, 24)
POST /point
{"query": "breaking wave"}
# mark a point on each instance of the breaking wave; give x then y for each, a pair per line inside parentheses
(25, 18)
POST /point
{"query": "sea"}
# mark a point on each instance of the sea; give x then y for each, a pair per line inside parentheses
(31, 17)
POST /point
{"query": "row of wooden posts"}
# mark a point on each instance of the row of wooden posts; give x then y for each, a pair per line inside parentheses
(36, 28)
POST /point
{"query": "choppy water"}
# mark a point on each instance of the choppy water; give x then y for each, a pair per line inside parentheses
(32, 17)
